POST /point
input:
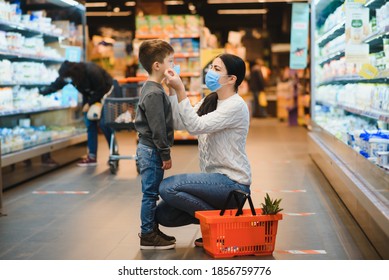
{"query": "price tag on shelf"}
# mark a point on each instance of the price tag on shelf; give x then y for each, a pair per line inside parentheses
(368, 71)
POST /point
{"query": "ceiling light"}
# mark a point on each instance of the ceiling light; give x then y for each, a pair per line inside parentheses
(250, 1)
(242, 12)
(172, 3)
(130, 4)
(116, 9)
(96, 4)
(71, 2)
(108, 14)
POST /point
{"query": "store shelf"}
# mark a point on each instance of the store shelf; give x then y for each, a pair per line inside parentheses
(28, 32)
(375, 4)
(376, 38)
(190, 74)
(165, 36)
(32, 111)
(370, 113)
(324, 8)
(334, 32)
(18, 55)
(24, 84)
(342, 80)
(185, 55)
(38, 150)
(334, 56)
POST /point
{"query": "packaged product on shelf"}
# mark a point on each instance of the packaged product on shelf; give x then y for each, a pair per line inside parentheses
(5, 71)
(179, 25)
(142, 25)
(167, 25)
(187, 46)
(192, 24)
(3, 40)
(193, 64)
(155, 25)
(182, 62)
(176, 44)
(14, 41)
(195, 85)
(383, 158)
(6, 100)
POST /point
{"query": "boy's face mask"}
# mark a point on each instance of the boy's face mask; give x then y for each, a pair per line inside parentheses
(177, 69)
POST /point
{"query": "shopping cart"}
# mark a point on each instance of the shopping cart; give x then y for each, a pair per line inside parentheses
(119, 115)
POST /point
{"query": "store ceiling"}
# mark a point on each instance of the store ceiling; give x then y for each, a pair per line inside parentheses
(275, 20)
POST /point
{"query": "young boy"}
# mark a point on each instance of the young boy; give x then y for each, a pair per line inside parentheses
(154, 124)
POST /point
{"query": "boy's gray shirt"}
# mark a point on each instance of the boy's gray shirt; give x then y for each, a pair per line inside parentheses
(154, 120)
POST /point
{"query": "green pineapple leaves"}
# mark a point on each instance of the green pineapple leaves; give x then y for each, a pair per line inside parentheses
(271, 207)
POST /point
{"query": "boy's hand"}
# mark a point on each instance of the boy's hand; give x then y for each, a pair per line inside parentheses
(167, 164)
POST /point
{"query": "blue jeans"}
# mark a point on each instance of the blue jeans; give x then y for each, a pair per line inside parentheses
(92, 131)
(186, 193)
(150, 167)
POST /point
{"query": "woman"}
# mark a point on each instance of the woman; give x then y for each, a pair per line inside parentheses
(221, 121)
(93, 82)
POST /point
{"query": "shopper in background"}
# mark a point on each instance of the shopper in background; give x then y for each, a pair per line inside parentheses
(154, 123)
(257, 88)
(221, 121)
(93, 82)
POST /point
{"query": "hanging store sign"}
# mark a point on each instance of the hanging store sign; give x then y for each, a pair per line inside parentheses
(299, 36)
(357, 28)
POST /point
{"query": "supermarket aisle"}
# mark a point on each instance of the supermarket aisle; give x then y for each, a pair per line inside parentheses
(87, 213)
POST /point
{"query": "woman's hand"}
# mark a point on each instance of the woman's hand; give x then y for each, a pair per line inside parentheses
(167, 164)
(174, 83)
(85, 108)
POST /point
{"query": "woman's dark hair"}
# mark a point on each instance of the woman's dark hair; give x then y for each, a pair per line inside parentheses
(235, 66)
(74, 70)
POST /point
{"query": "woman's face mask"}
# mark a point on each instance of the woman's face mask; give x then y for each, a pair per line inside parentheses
(212, 80)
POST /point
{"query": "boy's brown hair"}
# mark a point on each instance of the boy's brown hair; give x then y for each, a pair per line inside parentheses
(154, 50)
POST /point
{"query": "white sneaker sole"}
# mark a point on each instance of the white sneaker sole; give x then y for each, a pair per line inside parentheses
(167, 247)
(86, 164)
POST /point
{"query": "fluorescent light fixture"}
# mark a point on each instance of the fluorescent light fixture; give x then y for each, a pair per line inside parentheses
(96, 4)
(173, 3)
(251, 1)
(130, 4)
(242, 12)
(71, 2)
(108, 14)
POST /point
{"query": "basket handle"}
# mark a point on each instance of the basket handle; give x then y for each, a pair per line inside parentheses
(236, 193)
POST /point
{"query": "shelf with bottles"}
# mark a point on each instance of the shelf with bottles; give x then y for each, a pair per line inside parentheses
(20, 100)
(370, 100)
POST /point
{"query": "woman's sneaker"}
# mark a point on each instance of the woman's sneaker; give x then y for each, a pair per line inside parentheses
(199, 242)
(87, 162)
(154, 241)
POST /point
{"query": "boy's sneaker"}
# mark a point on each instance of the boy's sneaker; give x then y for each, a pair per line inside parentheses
(154, 241)
(87, 162)
(164, 236)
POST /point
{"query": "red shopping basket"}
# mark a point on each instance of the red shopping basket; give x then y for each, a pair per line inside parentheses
(238, 232)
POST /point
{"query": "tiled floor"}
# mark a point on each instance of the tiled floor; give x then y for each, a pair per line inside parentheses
(101, 219)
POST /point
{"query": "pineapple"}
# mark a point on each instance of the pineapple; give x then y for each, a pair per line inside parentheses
(271, 207)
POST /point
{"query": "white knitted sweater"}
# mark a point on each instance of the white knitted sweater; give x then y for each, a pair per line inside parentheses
(221, 134)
